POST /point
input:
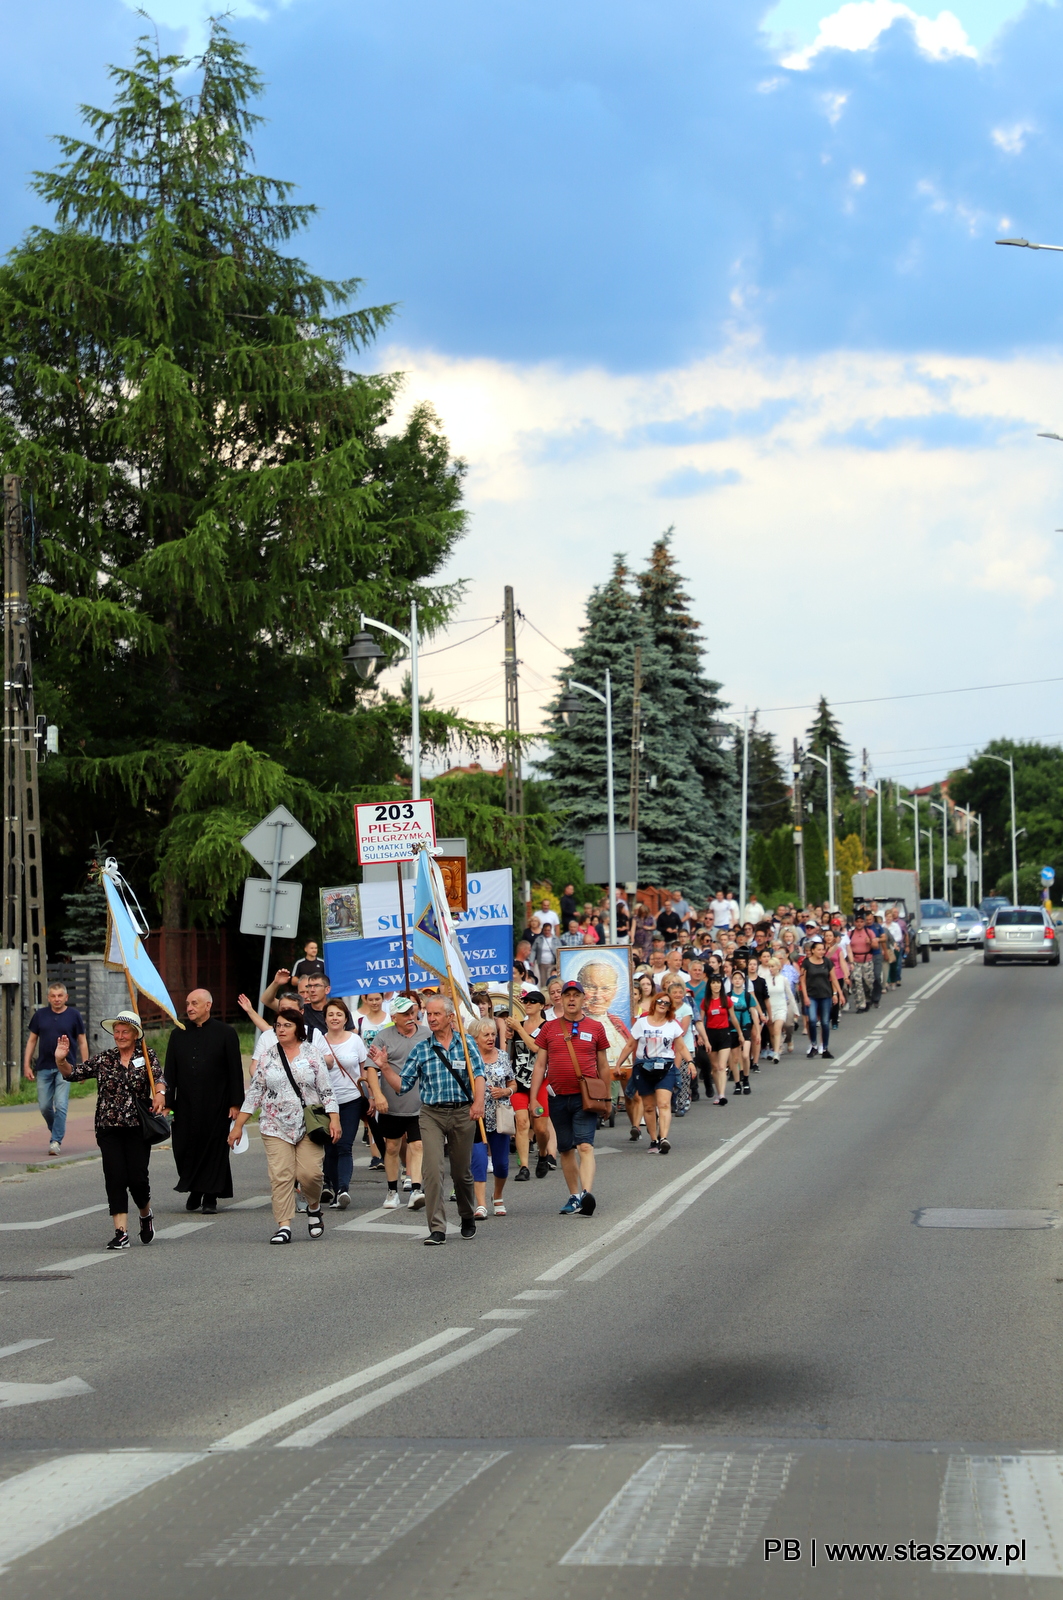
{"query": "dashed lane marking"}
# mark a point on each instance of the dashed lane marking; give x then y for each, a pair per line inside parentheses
(49, 1222)
(22, 1344)
(807, 1101)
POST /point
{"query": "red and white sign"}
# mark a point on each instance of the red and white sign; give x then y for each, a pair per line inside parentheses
(393, 830)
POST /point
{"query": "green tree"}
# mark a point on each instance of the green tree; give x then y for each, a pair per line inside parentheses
(219, 495)
(823, 731)
(677, 683)
(984, 787)
(769, 794)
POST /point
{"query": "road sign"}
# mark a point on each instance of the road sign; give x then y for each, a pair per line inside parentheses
(254, 913)
(261, 842)
(393, 831)
(1048, 874)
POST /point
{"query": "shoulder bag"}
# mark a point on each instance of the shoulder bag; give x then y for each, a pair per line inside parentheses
(153, 1124)
(594, 1091)
(315, 1118)
(480, 1135)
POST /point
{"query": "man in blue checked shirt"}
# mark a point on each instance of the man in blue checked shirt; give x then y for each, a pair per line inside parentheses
(450, 1110)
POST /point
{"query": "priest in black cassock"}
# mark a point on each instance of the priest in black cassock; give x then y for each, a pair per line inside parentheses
(204, 1090)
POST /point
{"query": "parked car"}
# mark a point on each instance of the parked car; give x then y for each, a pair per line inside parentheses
(971, 925)
(940, 922)
(991, 903)
(1021, 933)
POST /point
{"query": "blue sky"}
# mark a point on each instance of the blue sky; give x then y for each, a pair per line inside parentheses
(719, 265)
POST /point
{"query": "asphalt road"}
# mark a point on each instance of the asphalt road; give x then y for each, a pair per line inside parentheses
(830, 1314)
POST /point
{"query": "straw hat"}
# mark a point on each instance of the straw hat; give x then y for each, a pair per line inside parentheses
(123, 1016)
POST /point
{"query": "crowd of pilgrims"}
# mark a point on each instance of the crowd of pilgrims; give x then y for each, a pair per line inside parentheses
(713, 998)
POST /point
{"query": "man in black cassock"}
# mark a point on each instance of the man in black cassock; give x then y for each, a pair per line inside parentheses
(204, 1090)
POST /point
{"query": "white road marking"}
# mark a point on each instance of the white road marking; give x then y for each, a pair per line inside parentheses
(253, 1204)
(799, 1092)
(658, 1225)
(391, 1391)
(179, 1229)
(807, 1101)
(31, 1394)
(23, 1344)
(506, 1314)
(254, 1431)
(75, 1263)
(702, 1509)
(355, 1512)
(954, 1217)
(567, 1264)
(540, 1294)
(1004, 1500)
(49, 1222)
(62, 1494)
(372, 1222)
(901, 1016)
(870, 1046)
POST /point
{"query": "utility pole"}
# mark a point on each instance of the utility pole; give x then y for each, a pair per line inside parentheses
(23, 931)
(863, 802)
(514, 779)
(799, 831)
(636, 741)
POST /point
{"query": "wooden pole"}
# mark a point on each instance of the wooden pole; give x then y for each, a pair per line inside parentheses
(456, 1002)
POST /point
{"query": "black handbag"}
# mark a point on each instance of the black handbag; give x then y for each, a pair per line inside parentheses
(153, 1124)
(315, 1118)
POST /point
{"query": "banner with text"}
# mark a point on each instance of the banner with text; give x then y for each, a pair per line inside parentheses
(363, 941)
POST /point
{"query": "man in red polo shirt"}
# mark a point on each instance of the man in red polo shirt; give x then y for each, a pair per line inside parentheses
(572, 1033)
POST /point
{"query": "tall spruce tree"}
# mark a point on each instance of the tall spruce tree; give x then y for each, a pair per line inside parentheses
(702, 829)
(217, 494)
(769, 803)
(823, 731)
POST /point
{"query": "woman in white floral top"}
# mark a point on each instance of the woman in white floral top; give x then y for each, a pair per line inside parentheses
(290, 1076)
(501, 1083)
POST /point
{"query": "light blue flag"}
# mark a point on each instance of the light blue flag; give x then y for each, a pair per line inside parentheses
(125, 947)
(434, 939)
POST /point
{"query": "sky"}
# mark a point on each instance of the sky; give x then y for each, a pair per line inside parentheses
(720, 267)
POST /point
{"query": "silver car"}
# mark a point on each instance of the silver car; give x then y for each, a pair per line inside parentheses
(971, 925)
(940, 922)
(1021, 933)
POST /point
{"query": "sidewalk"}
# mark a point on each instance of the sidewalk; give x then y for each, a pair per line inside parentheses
(24, 1136)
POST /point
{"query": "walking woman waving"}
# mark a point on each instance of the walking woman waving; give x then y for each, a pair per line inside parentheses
(126, 1076)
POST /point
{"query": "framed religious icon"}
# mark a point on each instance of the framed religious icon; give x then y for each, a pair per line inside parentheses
(604, 970)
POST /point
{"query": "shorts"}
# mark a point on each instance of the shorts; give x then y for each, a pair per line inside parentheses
(572, 1124)
(645, 1083)
(390, 1126)
(721, 1039)
(520, 1099)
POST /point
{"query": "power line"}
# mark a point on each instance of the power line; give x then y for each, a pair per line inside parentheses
(467, 640)
(921, 694)
(542, 635)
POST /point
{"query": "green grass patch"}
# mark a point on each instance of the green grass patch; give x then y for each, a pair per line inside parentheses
(26, 1094)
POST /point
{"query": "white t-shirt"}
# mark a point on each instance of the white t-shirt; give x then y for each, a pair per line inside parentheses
(754, 912)
(721, 913)
(732, 908)
(656, 1039)
(666, 972)
(549, 919)
(352, 1054)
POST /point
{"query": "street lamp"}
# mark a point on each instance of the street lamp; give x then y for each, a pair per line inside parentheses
(720, 729)
(1024, 244)
(364, 650)
(913, 806)
(966, 851)
(928, 835)
(1009, 762)
(810, 755)
(944, 809)
(570, 706)
(876, 790)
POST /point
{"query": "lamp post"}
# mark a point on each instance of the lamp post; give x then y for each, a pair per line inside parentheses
(966, 852)
(1009, 762)
(810, 755)
(719, 729)
(570, 707)
(364, 650)
(928, 835)
(944, 809)
(981, 884)
(913, 805)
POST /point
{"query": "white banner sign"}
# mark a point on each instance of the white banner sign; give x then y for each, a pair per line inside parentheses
(393, 830)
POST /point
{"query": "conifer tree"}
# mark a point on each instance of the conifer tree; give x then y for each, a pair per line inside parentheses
(823, 731)
(710, 804)
(218, 495)
(769, 796)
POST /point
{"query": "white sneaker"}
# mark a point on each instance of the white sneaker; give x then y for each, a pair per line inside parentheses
(393, 1200)
(416, 1201)
(407, 1183)
(54, 1147)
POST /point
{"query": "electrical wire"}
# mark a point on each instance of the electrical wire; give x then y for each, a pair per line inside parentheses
(542, 635)
(920, 694)
(422, 654)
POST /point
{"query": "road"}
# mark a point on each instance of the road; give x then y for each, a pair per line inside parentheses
(766, 1336)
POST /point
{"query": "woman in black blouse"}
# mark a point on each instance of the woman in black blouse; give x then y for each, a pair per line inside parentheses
(122, 1078)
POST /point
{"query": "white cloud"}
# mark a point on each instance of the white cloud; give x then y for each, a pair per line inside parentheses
(833, 105)
(858, 25)
(1012, 140)
(865, 497)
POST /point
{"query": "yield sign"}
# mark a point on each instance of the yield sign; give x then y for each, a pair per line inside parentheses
(295, 842)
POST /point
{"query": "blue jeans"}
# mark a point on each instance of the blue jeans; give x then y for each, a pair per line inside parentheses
(819, 1010)
(53, 1097)
(339, 1160)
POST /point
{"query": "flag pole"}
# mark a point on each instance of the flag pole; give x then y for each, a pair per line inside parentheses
(456, 1002)
(402, 925)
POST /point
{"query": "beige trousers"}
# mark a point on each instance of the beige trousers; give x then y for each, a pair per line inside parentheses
(450, 1123)
(288, 1164)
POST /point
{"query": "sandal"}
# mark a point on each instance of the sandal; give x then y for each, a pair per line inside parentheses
(315, 1223)
(500, 1208)
(282, 1236)
(480, 1214)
